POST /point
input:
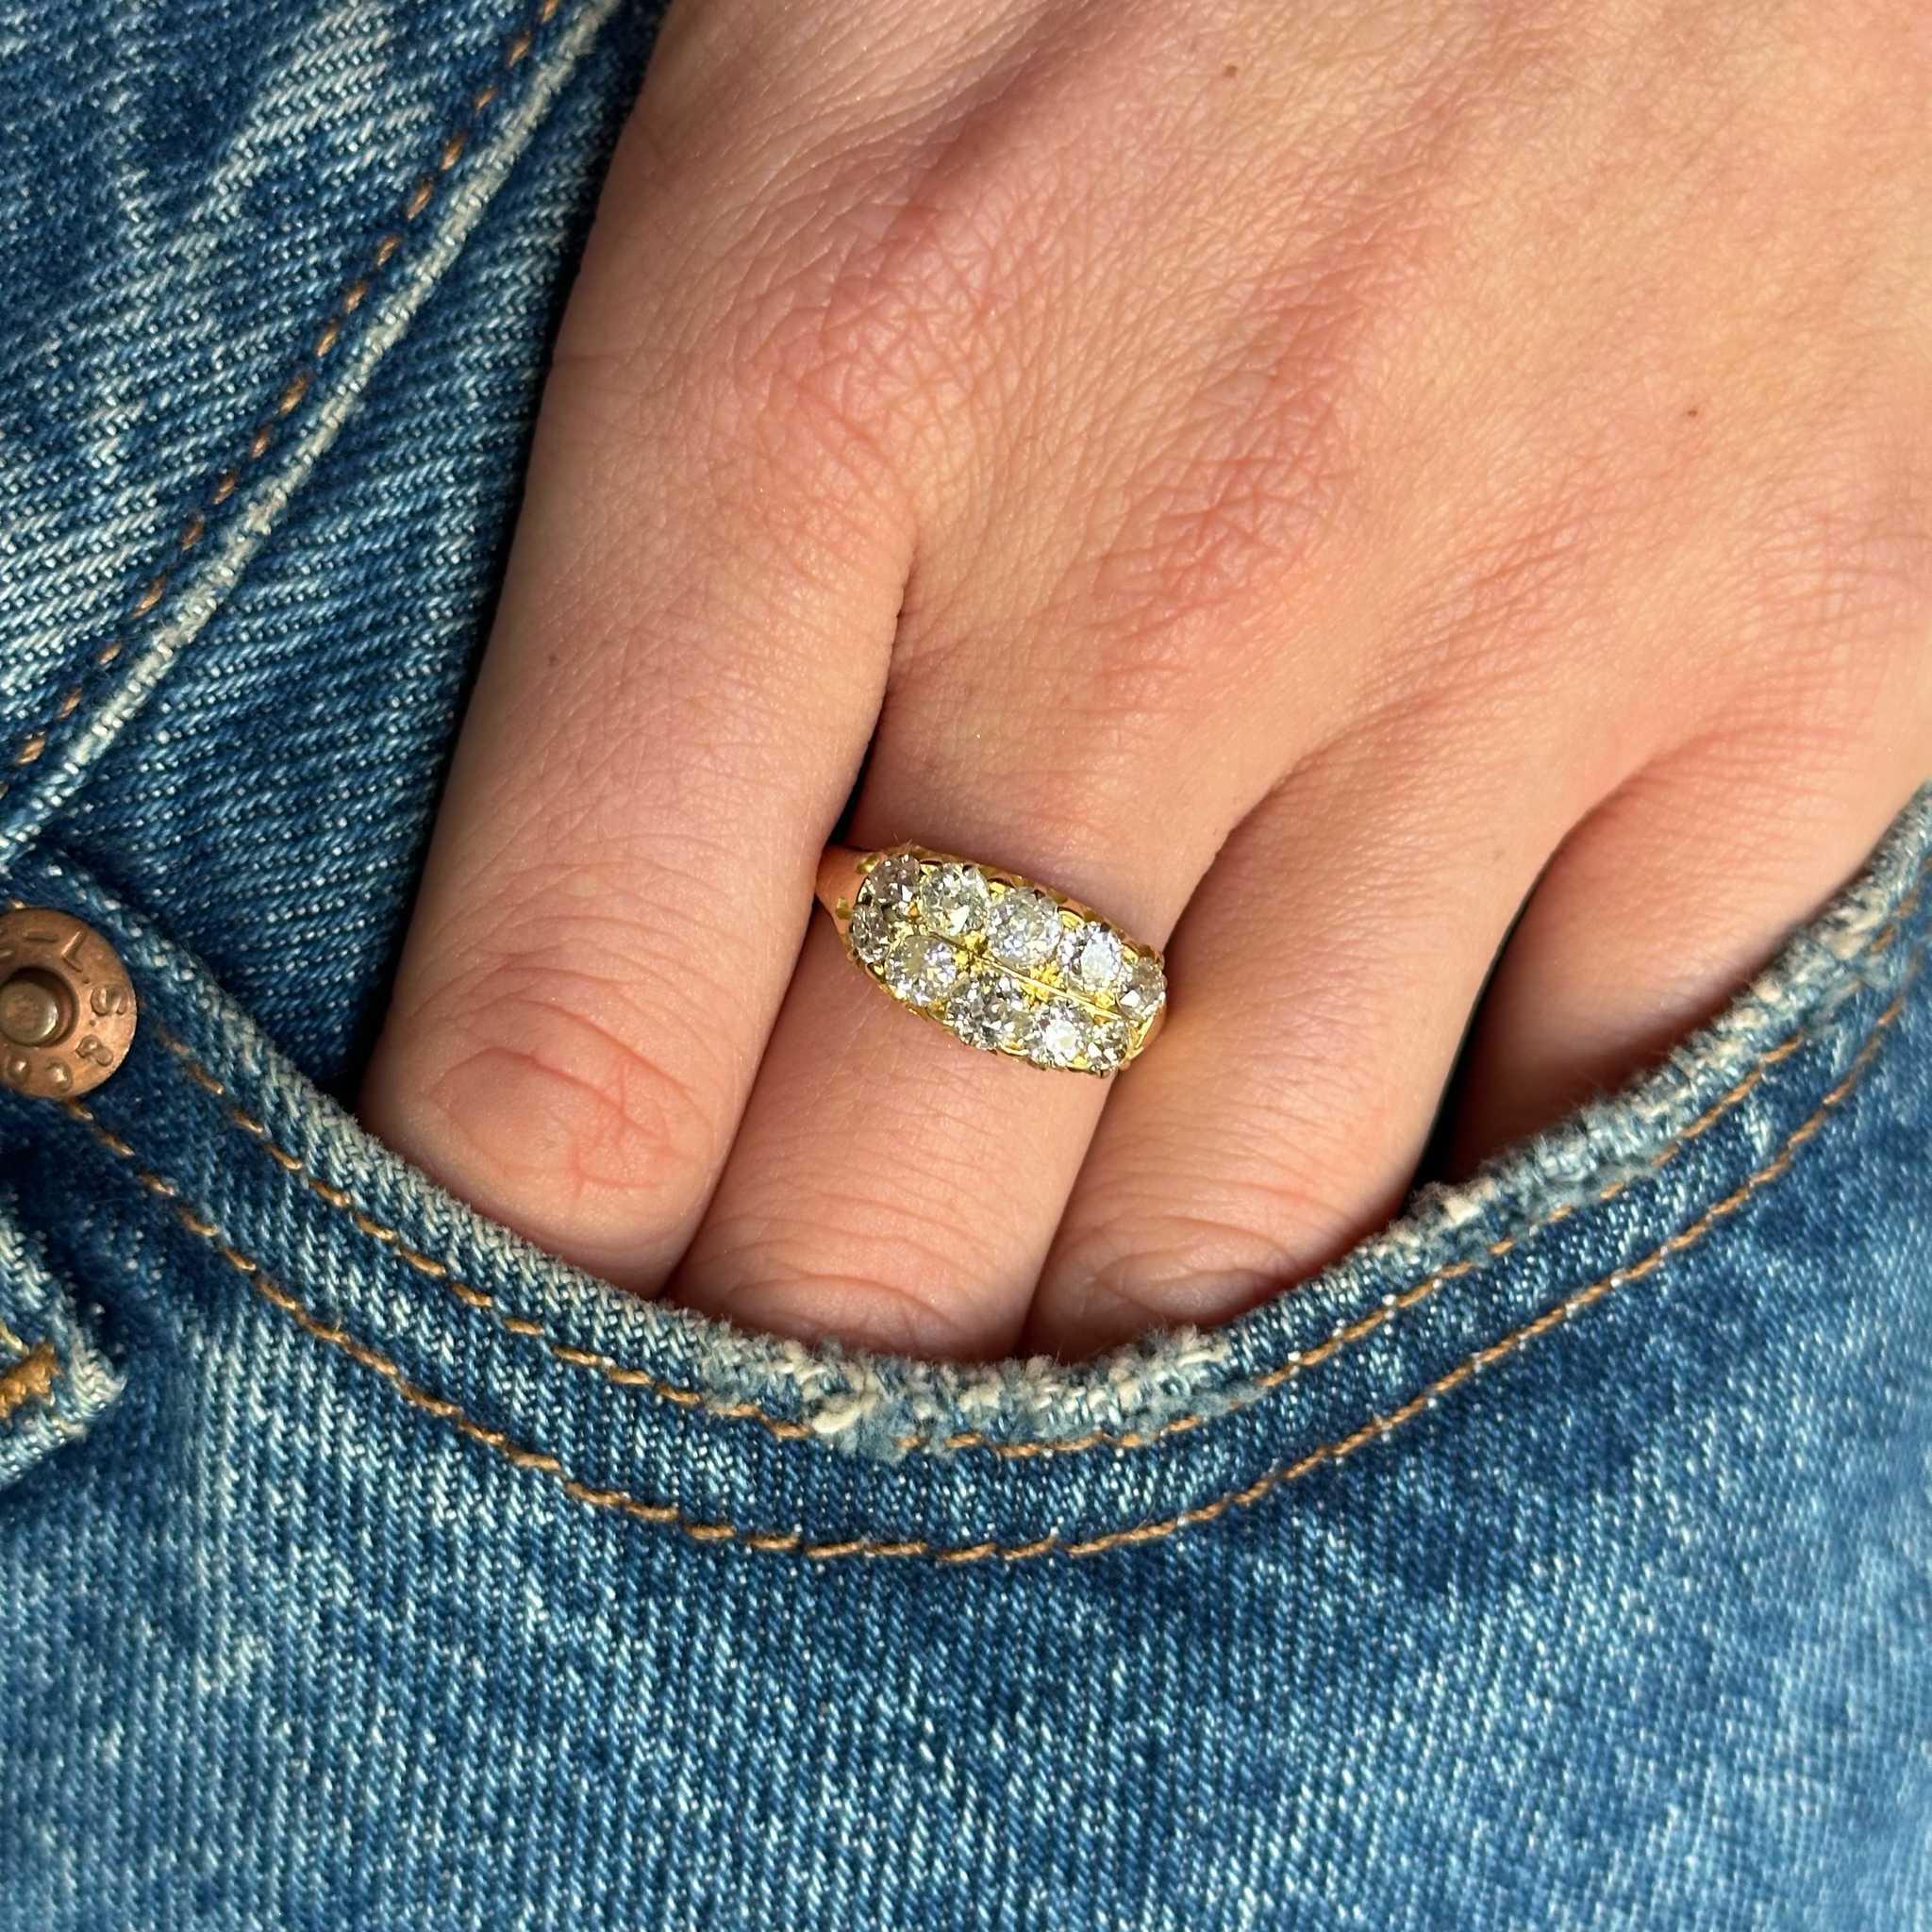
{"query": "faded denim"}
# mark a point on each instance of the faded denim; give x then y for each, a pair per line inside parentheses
(1561, 1557)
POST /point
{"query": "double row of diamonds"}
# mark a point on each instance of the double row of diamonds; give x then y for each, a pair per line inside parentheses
(1005, 965)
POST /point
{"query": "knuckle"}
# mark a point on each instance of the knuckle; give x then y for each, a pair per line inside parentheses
(1159, 676)
(1181, 1258)
(1847, 562)
(1196, 1225)
(879, 294)
(591, 1117)
(817, 327)
(780, 1282)
(1232, 499)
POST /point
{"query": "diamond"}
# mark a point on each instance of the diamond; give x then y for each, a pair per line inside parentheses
(1109, 1046)
(988, 1011)
(954, 900)
(1146, 988)
(870, 929)
(920, 968)
(892, 883)
(1023, 928)
(1090, 961)
(1059, 1035)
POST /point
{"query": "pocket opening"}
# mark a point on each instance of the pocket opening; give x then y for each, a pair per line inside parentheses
(408, 1284)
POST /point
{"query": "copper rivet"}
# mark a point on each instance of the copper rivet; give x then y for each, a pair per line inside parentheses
(67, 1011)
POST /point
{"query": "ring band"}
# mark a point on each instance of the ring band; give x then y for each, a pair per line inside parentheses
(1002, 962)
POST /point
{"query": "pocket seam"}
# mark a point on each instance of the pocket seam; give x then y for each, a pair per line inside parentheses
(1261, 1385)
(793, 1542)
(471, 1296)
(224, 487)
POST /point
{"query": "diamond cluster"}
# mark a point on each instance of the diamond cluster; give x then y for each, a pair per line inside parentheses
(1003, 964)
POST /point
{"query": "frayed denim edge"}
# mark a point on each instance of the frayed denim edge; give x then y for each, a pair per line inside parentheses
(885, 1407)
(882, 1406)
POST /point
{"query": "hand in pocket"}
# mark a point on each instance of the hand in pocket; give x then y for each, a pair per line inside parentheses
(1314, 483)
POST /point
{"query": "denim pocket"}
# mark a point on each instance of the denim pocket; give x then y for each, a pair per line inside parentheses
(1562, 1556)
(687, 1425)
(1559, 1558)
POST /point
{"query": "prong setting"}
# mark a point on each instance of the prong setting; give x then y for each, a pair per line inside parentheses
(1002, 963)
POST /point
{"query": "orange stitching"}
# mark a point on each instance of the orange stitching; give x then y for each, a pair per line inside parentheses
(1685, 1238)
(522, 1457)
(31, 1379)
(1297, 1365)
(292, 391)
(1391, 1305)
(378, 1231)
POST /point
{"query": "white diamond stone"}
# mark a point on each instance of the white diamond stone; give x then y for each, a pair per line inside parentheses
(1109, 1046)
(988, 1011)
(920, 968)
(1059, 1035)
(872, 929)
(1023, 928)
(954, 900)
(883, 905)
(1146, 988)
(892, 883)
(1090, 961)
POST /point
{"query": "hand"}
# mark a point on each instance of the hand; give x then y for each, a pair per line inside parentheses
(1318, 480)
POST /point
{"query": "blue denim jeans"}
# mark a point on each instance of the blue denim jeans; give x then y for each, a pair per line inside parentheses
(1562, 1556)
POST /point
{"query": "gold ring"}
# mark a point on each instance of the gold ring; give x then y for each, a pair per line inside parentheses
(1003, 963)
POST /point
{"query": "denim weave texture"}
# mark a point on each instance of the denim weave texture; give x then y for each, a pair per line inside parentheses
(1560, 1557)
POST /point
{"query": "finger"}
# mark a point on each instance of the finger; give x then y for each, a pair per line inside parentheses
(1664, 901)
(685, 667)
(889, 1184)
(1319, 985)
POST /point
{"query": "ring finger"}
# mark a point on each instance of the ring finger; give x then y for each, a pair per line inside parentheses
(887, 1184)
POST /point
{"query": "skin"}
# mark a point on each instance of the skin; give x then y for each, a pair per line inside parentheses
(1389, 499)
